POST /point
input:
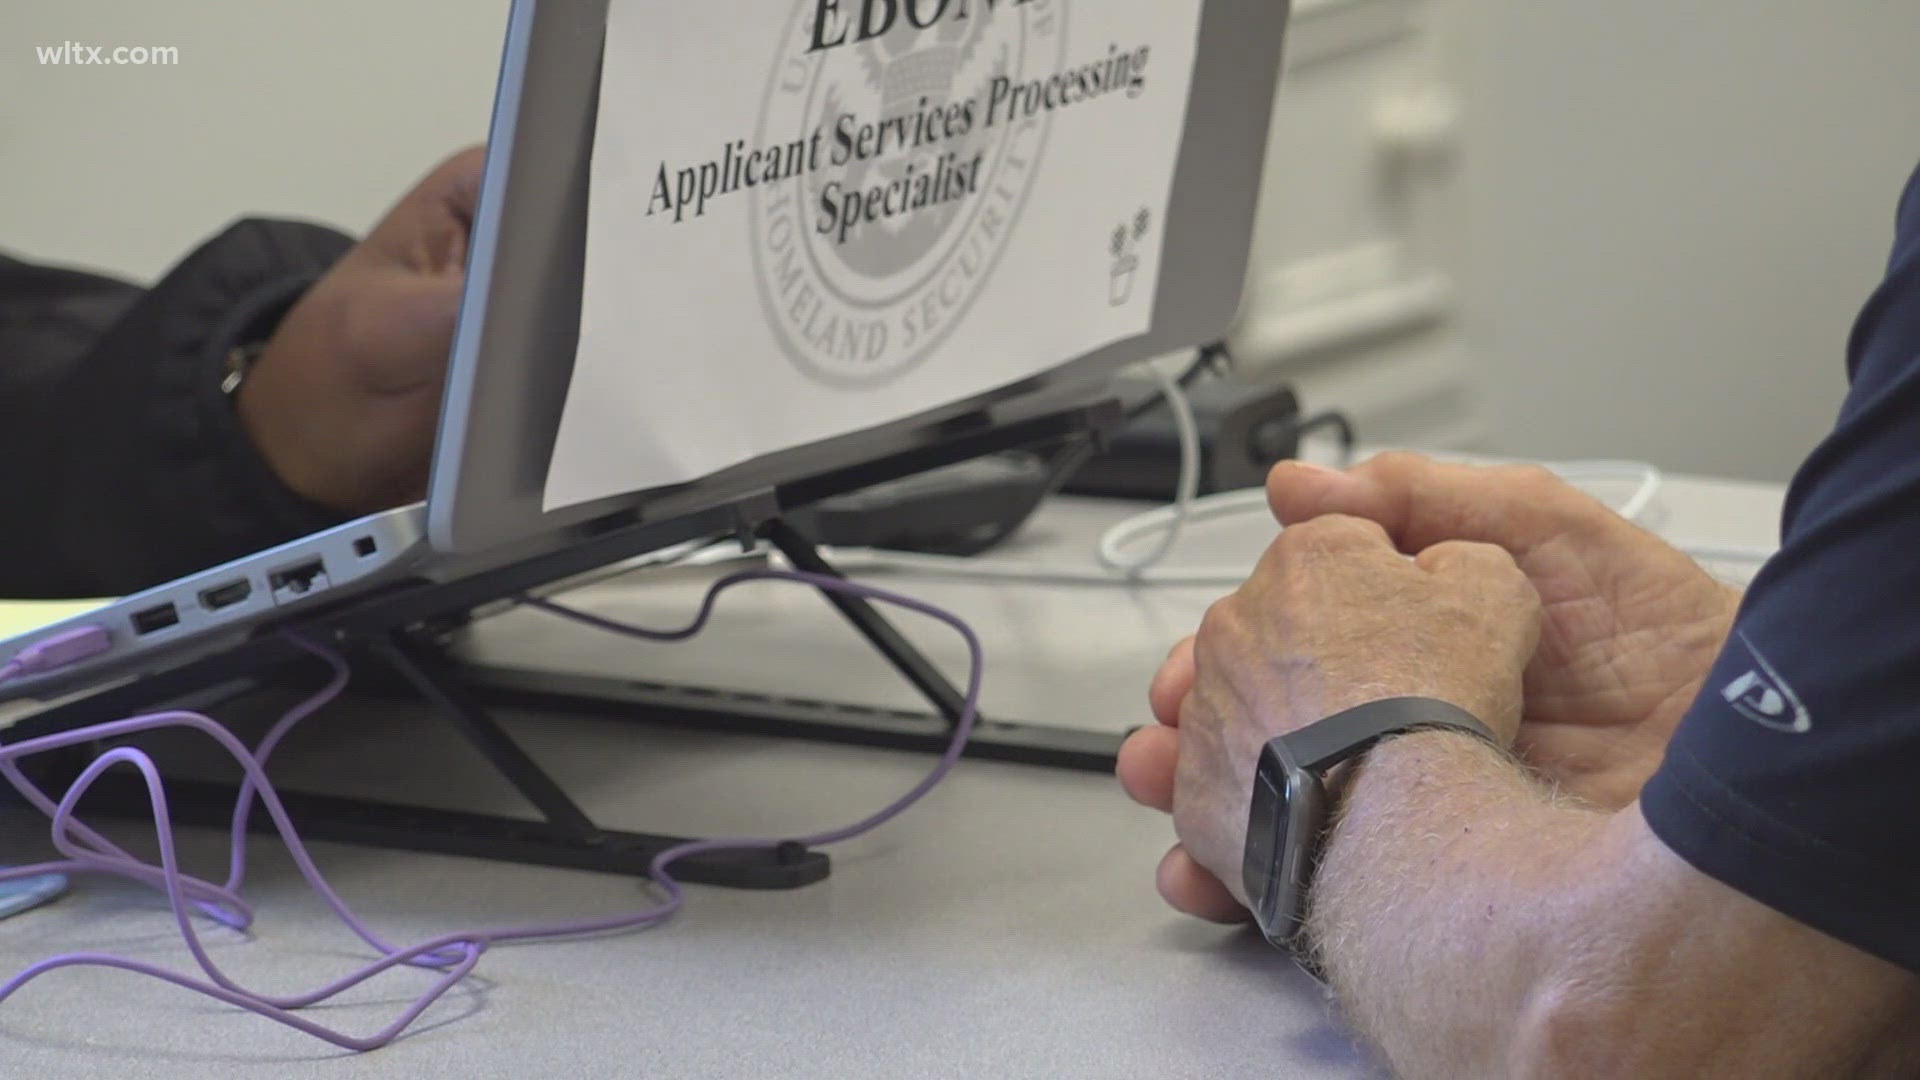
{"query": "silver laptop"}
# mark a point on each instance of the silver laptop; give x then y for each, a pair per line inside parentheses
(519, 326)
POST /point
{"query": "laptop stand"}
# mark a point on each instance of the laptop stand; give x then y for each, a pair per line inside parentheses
(704, 709)
(392, 638)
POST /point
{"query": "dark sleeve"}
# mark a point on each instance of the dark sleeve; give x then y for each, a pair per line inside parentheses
(123, 463)
(1795, 778)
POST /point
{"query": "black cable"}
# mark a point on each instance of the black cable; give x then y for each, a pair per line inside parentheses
(1343, 430)
(1211, 360)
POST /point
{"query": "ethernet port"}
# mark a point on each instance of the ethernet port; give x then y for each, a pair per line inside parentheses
(295, 582)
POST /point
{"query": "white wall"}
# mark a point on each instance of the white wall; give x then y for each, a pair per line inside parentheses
(1674, 212)
(1359, 254)
(1647, 232)
(324, 109)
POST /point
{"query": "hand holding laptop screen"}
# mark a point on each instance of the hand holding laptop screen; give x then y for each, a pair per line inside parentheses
(343, 399)
(814, 217)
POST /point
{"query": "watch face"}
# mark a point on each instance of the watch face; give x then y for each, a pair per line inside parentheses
(1283, 825)
(1266, 837)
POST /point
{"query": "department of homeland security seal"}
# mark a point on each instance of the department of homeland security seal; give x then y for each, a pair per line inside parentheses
(868, 261)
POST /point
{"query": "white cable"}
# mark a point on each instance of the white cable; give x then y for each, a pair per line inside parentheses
(949, 566)
(1637, 504)
(1170, 519)
(1168, 523)
(1210, 508)
(1642, 498)
(1726, 553)
(1111, 551)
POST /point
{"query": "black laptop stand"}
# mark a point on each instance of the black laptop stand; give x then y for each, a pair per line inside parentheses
(394, 638)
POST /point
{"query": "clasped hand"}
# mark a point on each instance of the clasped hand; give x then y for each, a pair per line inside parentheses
(1574, 634)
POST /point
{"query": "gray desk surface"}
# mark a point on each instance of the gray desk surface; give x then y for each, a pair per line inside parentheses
(1005, 927)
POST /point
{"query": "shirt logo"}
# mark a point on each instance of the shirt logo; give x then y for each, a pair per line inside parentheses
(1763, 697)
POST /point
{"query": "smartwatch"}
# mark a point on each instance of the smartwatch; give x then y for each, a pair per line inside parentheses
(1288, 819)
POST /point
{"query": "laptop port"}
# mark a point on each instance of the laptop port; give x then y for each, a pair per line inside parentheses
(365, 547)
(155, 619)
(225, 596)
(295, 582)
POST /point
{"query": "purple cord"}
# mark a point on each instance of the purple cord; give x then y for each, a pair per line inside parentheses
(454, 955)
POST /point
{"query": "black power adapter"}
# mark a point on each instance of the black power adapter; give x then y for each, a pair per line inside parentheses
(961, 509)
(1247, 426)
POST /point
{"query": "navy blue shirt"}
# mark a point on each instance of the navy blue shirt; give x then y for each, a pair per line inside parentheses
(1795, 778)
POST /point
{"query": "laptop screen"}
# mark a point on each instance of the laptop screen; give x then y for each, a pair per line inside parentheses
(520, 326)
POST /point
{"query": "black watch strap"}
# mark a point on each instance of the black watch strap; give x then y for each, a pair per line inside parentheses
(1342, 736)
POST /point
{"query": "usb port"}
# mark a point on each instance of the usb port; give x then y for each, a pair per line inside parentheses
(297, 581)
(155, 619)
(225, 596)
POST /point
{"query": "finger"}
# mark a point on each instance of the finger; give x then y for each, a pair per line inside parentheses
(1345, 530)
(455, 184)
(1148, 760)
(454, 192)
(1301, 491)
(1421, 502)
(428, 230)
(1193, 889)
(1488, 574)
(1466, 557)
(1172, 683)
(1337, 534)
(1485, 570)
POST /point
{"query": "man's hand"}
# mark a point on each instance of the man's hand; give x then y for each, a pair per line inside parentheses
(1333, 617)
(1631, 626)
(344, 399)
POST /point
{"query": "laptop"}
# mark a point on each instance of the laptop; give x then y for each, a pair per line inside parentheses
(517, 333)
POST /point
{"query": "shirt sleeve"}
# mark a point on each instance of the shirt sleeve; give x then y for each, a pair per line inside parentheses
(1795, 777)
(124, 463)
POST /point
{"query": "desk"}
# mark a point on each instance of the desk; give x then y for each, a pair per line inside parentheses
(1007, 926)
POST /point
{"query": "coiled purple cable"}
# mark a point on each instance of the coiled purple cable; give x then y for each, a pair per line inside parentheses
(88, 852)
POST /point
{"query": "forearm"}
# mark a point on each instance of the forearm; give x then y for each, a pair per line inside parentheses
(1442, 904)
(1473, 927)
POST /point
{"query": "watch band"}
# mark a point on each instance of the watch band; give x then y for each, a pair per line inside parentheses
(1288, 813)
(1346, 735)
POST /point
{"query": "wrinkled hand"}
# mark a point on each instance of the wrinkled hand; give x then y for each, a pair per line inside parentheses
(1631, 626)
(1333, 617)
(344, 399)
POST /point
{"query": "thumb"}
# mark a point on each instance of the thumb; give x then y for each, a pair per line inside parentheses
(1299, 491)
(1422, 502)
(427, 231)
(456, 182)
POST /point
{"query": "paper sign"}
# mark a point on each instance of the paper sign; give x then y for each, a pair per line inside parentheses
(812, 217)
